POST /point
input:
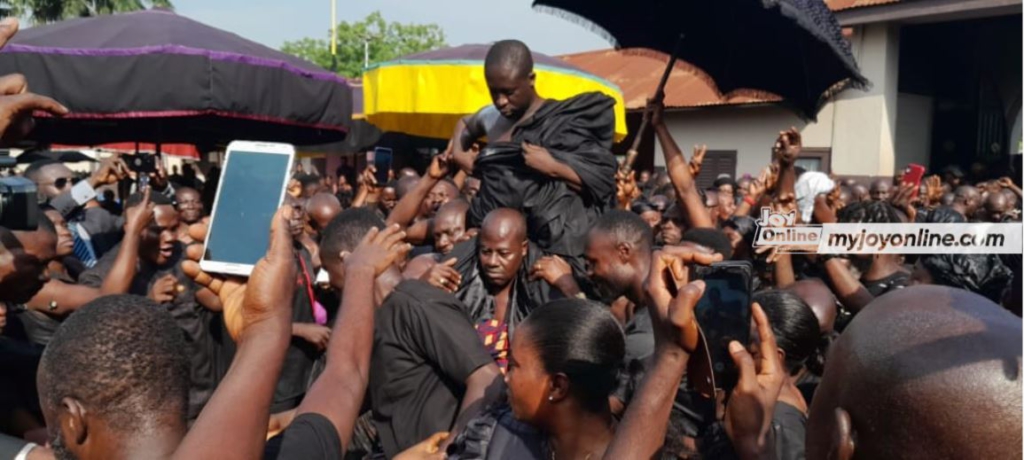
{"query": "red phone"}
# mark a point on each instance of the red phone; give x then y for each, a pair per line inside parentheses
(913, 175)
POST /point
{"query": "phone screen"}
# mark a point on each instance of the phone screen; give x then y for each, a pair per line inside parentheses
(724, 315)
(249, 195)
(382, 163)
(913, 175)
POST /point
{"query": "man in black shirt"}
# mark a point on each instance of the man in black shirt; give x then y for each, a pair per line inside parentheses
(427, 360)
(359, 259)
(159, 277)
(619, 255)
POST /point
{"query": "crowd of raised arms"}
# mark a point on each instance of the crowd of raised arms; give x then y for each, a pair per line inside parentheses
(521, 298)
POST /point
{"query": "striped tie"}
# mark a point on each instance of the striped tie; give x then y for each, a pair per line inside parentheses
(83, 246)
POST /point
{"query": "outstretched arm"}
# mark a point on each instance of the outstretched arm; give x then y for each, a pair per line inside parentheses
(258, 314)
(338, 393)
(679, 171)
(406, 208)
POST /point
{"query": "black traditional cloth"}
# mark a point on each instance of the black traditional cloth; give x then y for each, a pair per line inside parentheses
(578, 132)
(526, 295)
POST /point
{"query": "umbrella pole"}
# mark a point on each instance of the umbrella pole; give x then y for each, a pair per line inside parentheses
(659, 93)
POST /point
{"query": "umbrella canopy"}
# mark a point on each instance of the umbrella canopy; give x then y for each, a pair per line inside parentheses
(790, 48)
(361, 135)
(426, 94)
(159, 77)
(66, 156)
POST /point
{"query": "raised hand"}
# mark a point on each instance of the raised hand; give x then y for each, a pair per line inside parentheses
(748, 415)
(668, 279)
(368, 178)
(656, 111)
(443, 276)
(787, 147)
(111, 170)
(439, 167)
(275, 275)
(137, 218)
(627, 190)
(379, 250)
(294, 188)
(697, 160)
(158, 178)
(933, 187)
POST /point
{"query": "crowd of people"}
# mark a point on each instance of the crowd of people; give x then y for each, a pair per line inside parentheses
(518, 299)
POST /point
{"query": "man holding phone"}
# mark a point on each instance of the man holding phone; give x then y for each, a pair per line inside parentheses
(95, 229)
(619, 255)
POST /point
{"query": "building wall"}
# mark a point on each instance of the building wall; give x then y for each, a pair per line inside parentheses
(865, 121)
(750, 131)
(913, 130)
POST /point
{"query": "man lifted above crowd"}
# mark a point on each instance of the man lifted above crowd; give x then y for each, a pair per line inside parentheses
(551, 159)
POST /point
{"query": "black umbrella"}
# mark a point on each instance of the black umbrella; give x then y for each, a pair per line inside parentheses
(790, 48)
(63, 156)
(154, 76)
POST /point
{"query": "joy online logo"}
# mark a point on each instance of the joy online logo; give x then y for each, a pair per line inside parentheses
(780, 229)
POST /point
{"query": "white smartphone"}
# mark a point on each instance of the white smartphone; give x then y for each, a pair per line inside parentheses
(252, 187)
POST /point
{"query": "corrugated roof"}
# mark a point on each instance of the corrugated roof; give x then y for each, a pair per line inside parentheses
(840, 5)
(638, 76)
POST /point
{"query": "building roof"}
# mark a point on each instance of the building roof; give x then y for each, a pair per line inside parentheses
(638, 76)
(840, 5)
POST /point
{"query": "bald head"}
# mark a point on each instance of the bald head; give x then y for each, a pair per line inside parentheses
(880, 190)
(923, 372)
(322, 208)
(450, 225)
(860, 192)
(996, 206)
(504, 223)
(967, 198)
(510, 57)
(819, 297)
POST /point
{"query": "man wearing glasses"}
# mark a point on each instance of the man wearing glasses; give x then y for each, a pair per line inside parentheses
(95, 229)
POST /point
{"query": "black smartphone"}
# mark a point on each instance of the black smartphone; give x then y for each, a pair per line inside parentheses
(382, 157)
(724, 315)
(140, 163)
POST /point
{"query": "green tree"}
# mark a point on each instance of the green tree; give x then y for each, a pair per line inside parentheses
(385, 40)
(44, 11)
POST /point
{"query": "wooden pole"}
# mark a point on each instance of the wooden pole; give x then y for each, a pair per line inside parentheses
(659, 93)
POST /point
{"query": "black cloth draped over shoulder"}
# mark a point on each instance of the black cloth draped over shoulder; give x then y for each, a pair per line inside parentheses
(578, 132)
(526, 296)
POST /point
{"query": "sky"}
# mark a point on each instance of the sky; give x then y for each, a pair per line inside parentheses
(464, 21)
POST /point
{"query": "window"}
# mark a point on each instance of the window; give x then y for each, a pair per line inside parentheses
(716, 162)
(815, 159)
